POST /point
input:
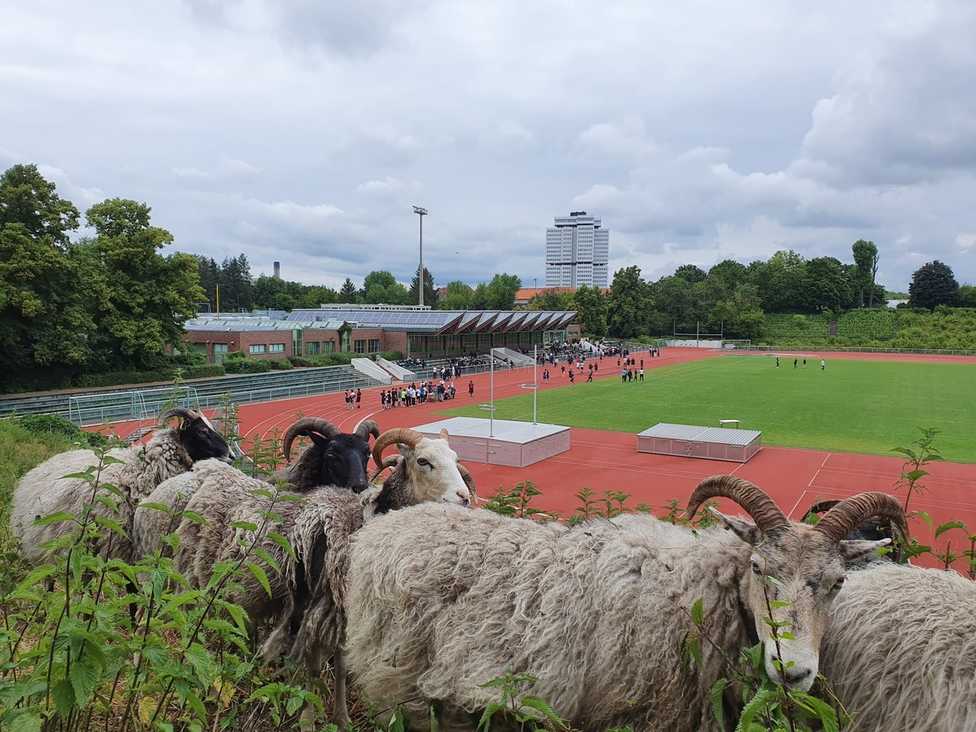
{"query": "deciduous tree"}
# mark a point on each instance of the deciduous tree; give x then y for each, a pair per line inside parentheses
(933, 284)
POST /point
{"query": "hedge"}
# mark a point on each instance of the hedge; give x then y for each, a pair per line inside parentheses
(111, 378)
(202, 372)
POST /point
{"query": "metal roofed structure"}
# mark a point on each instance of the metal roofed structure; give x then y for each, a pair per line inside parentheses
(440, 322)
(710, 443)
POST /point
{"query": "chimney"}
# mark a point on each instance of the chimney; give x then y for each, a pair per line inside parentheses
(277, 270)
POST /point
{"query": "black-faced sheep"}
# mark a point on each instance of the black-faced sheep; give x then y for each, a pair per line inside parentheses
(440, 601)
(45, 491)
(334, 459)
(900, 651)
(307, 594)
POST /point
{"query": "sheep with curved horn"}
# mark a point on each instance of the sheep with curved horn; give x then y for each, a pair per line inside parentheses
(333, 459)
(440, 601)
(45, 491)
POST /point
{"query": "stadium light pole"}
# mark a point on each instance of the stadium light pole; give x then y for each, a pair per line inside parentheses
(421, 212)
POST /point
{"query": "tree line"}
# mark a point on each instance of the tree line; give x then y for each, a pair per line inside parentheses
(107, 301)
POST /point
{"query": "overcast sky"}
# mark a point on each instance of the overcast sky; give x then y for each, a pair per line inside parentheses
(304, 130)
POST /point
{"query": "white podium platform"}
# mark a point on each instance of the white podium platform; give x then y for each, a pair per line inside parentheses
(513, 443)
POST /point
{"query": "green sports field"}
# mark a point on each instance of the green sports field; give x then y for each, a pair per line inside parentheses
(852, 406)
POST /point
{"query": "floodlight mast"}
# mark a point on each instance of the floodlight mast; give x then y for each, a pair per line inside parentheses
(421, 212)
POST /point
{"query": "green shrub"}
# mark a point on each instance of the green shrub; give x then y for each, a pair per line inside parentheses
(246, 366)
(280, 365)
(114, 378)
(202, 372)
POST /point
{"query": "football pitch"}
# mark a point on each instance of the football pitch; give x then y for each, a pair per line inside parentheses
(851, 406)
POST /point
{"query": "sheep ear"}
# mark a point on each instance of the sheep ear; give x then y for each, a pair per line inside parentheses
(745, 530)
(855, 549)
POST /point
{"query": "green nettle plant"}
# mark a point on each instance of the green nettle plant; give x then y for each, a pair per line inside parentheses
(921, 453)
(514, 706)
(89, 642)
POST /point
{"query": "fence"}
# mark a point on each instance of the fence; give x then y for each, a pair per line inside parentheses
(101, 406)
(862, 349)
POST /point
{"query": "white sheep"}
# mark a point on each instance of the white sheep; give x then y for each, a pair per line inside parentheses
(45, 491)
(440, 601)
(306, 597)
(900, 651)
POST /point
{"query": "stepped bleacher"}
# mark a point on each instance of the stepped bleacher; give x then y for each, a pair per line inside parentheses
(114, 404)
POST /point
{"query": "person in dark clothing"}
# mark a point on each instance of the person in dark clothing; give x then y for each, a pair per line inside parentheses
(359, 398)
(777, 362)
(794, 363)
(589, 377)
(470, 389)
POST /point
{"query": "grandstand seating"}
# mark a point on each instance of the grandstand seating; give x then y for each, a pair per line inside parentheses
(243, 388)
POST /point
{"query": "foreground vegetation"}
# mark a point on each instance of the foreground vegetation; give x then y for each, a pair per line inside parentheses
(91, 644)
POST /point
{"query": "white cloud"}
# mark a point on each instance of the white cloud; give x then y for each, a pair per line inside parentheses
(301, 131)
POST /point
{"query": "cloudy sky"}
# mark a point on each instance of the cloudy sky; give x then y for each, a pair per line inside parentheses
(303, 130)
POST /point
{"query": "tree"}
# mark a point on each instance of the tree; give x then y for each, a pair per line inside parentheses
(551, 300)
(781, 281)
(430, 294)
(501, 291)
(932, 284)
(866, 261)
(591, 309)
(140, 298)
(381, 287)
(628, 298)
(741, 312)
(457, 297)
(826, 286)
(236, 285)
(730, 273)
(26, 198)
(690, 273)
(347, 293)
(209, 274)
(966, 297)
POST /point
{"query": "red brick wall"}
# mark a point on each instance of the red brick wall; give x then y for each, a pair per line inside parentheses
(395, 341)
(320, 336)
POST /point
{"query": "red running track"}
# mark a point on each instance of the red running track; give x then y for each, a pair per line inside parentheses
(602, 461)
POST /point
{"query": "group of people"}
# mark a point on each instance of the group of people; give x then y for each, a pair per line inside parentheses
(823, 364)
(630, 371)
(427, 391)
(354, 398)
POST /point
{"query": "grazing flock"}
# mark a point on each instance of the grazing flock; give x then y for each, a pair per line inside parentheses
(423, 599)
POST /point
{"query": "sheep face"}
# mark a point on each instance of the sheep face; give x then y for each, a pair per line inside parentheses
(201, 440)
(433, 470)
(795, 572)
(344, 460)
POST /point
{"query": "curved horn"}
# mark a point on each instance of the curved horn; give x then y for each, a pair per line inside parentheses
(398, 435)
(388, 462)
(467, 478)
(366, 428)
(849, 513)
(820, 507)
(302, 427)
(751, 497)
(181, 412)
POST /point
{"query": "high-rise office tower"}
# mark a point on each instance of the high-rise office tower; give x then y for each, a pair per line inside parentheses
(577, 251)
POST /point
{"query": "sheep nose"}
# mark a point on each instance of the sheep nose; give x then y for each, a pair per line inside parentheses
(463, 499)
(795, 676)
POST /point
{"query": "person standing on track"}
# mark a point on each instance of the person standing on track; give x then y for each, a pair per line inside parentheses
(641, 372)
(359, 398)
(470, 389)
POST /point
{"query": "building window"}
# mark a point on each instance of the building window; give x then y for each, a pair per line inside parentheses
(374, 345)
(312, 348)
(220, 348)
(329, 346)
(359, 346)
(276, 348)
(256, 348)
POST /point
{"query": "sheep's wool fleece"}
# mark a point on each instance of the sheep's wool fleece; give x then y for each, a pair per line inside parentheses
(225, 497)
(150, 525)
(900, 650)
(442, 599)
(44, 491)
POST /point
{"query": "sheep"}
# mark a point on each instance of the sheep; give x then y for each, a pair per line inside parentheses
(306, 596)
(915, 669)
(439, 601)
(333, 458)
(44, 490)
